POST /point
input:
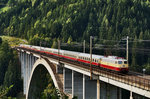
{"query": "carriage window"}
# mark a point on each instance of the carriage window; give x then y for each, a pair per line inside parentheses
(119, 62)
(125, 62)
(115, 62)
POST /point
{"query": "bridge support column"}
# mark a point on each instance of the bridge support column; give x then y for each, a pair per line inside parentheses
(33, 61)
(21, 60)
(72, 83)
(67, 80)
(118, 93)
(131, 97)
(30, 64)
(27, 69)
(22, 65)
(24, 68)
(103, 91)
(77, 85)
(112, 92)
(90, 88)
(83, 86)
(98, 89)
(108, 91)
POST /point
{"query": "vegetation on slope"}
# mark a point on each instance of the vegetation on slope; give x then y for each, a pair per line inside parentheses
(4, 9)
(48, 20)
(111, 19)
(10, 70)
(13, 41)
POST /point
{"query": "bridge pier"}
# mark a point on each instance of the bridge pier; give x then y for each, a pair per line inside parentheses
(119, 93)
(77, 85)
(27, 62)
(131, 97)
(108, 91)
(72, 83)
(98, 89)
(21, 60)
(27, 69)
(90, 88)
(84, 87)
(25, 80)
(30, 65)
(67, 80)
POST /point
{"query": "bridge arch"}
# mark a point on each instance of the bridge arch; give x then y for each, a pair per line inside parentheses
(40, 64)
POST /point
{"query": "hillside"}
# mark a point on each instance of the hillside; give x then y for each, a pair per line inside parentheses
(13, 41)
(107, 19)
(76, 20)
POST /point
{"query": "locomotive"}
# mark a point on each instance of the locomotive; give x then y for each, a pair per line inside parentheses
(107, 62)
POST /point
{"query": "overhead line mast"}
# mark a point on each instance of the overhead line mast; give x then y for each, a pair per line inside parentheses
(58, 51)
(84, 46)
(91, 57)
(127, 51)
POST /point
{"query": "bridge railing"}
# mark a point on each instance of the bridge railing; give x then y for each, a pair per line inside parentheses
(136, 81)
(132, 80)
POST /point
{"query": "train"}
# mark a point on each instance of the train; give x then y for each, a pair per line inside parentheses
(113, 63)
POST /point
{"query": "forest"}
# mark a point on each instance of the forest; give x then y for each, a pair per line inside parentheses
(10, 74)
(76, 20)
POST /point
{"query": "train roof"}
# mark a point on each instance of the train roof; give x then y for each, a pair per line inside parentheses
(93, 55)
(71, 52)
(114, 58)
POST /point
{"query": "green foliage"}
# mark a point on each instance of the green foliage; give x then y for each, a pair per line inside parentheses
(50, 92)
(75, 97)
(5, 55)
(0, 40)
(13, 41)
(80, 19)
(36, 40)
(4, 91)
(10, 69)
(69, 40)
(147, 66)
(4, 9)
